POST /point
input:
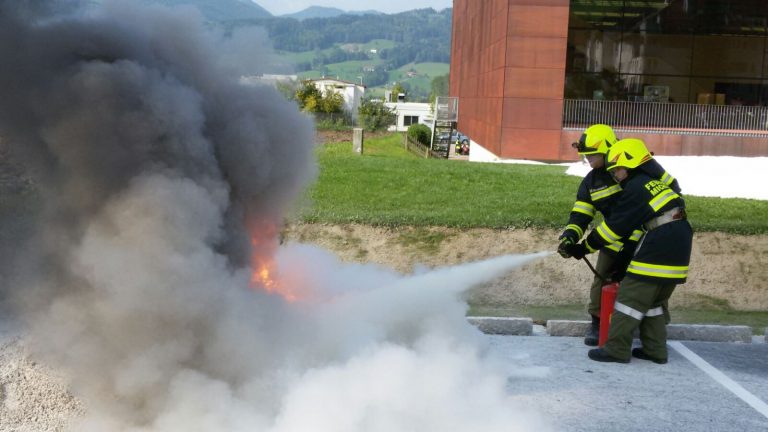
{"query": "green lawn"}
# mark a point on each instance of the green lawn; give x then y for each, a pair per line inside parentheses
(430, 69)
(387, 186)
(346, 71)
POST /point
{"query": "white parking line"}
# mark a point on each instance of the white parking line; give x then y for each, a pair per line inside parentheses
(721, 378)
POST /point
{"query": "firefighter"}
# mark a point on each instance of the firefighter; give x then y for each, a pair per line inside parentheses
(657, 266)
(598, 191)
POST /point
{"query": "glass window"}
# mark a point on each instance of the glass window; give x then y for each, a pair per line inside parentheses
(603, 15)
(675, 50)
(656, 88)
(656, 54)
(606, 85)
(659, 17)
(410, 120)
(592, 51)
(765, 59)
(730, 17)
(728, 56)
(727, 91)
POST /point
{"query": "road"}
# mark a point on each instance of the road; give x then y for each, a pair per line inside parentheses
(552, 375)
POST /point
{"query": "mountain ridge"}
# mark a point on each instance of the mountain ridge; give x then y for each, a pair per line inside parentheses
(220, 10)
(326, 12)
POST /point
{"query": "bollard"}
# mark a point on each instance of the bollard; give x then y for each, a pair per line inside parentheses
(607, 300)
(357, 140)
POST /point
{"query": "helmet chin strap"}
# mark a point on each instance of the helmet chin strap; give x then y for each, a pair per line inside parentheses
(614, 177)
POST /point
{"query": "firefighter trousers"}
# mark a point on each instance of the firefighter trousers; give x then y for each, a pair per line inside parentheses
(604, 265)
(640, 304)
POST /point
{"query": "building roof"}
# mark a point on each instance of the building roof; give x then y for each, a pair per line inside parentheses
(336, 80)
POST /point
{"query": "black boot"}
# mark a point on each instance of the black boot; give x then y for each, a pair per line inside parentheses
(639, 353)
(593, 332)
(599, 355)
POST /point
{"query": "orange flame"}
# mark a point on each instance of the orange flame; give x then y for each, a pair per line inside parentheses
(264, 275)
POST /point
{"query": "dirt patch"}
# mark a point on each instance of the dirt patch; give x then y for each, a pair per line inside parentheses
(727, 271)
(330, 136)
(33, 397)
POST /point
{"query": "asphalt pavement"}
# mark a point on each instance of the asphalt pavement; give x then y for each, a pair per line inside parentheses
(705, 386)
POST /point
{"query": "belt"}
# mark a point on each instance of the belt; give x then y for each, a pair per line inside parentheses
(677, 213)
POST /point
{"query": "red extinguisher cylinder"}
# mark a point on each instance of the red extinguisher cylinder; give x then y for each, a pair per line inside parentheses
(607, 299)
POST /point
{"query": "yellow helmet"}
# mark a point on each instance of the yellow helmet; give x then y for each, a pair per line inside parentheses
(628, 153)
(596, 139)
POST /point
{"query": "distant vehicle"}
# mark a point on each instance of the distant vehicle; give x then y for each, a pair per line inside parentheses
(459, 138)
(462, 143)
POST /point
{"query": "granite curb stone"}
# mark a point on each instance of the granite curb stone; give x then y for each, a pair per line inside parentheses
(503, 325)
(709, 333)
(572, 328)
(695, 332)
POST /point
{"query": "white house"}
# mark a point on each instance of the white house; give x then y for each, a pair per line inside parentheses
(351, 92)
(409, 113)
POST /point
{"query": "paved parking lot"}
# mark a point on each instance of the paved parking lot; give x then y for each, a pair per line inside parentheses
(706, 386)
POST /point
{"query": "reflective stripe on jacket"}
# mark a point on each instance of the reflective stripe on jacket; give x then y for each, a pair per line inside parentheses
(663, 254)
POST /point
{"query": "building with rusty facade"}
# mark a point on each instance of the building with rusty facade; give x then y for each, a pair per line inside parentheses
(689, 77)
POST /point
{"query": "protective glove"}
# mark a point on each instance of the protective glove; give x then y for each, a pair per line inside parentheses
(564, 243)
(576, 250)
(620, 264)
(618, 275)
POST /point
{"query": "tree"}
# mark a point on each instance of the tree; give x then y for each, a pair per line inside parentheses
(288, 88)
(376, 77)
(396, 90)
(311, 99)
(332, 102)
(308, 96)
(375, 116)
(439, 87)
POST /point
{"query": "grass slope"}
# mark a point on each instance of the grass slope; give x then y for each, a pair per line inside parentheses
(388, 186)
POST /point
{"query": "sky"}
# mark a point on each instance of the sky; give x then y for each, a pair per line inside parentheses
(281, 7)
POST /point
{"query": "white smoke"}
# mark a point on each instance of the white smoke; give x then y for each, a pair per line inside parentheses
(168, 338)
(154, 168)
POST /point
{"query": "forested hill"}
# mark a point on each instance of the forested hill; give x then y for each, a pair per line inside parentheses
(422, 35)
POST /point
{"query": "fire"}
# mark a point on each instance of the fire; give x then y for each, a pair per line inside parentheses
(264, 275)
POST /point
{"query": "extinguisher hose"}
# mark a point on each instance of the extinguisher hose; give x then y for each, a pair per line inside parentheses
(591, 267)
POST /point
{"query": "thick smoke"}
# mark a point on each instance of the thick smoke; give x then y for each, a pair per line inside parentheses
(153, 168)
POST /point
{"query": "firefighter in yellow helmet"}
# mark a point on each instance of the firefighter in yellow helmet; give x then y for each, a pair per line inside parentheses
(599, 192)
(659, 263)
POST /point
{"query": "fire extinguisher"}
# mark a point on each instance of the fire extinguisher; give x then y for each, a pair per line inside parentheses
(607, 299)
(609, 291)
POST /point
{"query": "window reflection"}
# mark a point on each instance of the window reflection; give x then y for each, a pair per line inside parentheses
(692, 51)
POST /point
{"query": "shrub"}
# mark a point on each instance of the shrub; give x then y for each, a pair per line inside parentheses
(373, 116)
(420, 132)
(333, 121)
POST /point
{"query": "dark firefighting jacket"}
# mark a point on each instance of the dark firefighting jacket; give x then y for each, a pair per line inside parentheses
(664, 251)
(598, 192)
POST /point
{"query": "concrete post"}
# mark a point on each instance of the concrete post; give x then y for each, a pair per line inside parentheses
(357, 140)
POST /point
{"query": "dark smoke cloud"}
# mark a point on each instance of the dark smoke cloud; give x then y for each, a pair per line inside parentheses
(89, 103)
(151, 168)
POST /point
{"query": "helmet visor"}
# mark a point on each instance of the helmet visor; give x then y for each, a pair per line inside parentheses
(581, 146)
